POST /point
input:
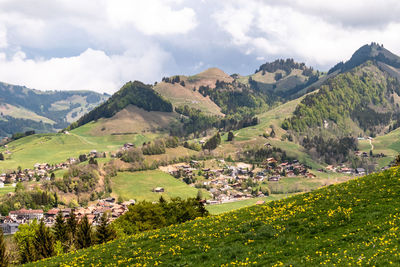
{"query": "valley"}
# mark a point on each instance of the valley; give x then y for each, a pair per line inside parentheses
(233, 149)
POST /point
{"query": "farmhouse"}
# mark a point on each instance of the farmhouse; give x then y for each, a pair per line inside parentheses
(158, 190)
(24, 214)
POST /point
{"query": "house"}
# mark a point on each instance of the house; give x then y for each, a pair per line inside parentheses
(260, 202)
(158, 190)
(274, 178)
(310, 175)
(1, 184)
(24, 214)
(10, 228)
(360, 171)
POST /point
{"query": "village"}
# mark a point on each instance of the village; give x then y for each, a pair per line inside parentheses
(10, 223)
(225, 182)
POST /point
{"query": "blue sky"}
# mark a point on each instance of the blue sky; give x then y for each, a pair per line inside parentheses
(99, 44)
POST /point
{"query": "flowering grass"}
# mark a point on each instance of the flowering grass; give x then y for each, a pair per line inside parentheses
(354, 223)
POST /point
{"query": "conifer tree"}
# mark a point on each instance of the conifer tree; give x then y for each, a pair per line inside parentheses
(1, 156)
(72, 224)
(230, 136)
(104, 232)
(60, 228)
(84, 235)
(4, 260)
(44, 241)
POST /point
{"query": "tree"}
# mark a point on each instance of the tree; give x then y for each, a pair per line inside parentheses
(84, 235)
(43, 241)
(25, 240)
(1, 156)
(199, 195)
(52, 176)
(4, 259)
(272, 134)
(104, 231)
(60, 228)
(230, 136)
(213, 142)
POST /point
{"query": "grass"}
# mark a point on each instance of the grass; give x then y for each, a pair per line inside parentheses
(6, 189)
(139, 186)
(353, 223)
(230, 206)
(56, 148)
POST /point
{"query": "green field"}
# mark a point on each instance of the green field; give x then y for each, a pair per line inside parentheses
(226, 207)
(56, 148)
(349, 224)
(6, 189)
(139, 185)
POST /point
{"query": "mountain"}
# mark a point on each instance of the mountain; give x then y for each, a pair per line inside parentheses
(353, 223)
(361, 98)
(374, 52)
(23, 109)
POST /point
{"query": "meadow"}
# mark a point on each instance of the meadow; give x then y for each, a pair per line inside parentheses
(348, 224)
(139, 186)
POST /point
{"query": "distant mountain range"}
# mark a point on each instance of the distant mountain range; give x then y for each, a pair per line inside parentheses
(23, 109)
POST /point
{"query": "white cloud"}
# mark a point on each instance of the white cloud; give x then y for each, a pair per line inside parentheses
(92, 69)
(152, 16)
(306, 31)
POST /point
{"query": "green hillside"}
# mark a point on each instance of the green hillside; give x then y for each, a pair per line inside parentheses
(354, 223)
(132, 93)
(23, 109)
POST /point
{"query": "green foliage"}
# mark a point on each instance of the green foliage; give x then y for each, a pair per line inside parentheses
(1, 156)
(43, 241)
(104, 231)
(132, 93)
(84, 234)
(156, 147)
(4, 257)
(346, 95)
(79, 178)
(25, 238)
(132, 155)
(213, 142)
(332, 150)
(193, 146)
(61, 230)
(146, 216)
(230, 136)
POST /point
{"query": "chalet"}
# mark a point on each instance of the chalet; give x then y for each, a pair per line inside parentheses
(274, 178)
(260, 202)
(158, 190)
(24, 214)
(347, 170)
(310, 175)
(290, 174)
(360, 171)
(127, 146)
(9, 228)
(1, 184)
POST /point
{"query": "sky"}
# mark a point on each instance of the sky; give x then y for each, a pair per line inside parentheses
(101, 44)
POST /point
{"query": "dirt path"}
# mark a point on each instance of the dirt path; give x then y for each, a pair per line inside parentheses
(370, 142)
(82, 139)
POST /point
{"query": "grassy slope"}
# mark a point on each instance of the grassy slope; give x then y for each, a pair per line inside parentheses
(346, 224)
(139, 185)
(55, 148)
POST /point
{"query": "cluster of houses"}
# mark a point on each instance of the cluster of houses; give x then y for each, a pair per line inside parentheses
(346, 170)
(231, 182)
(11, 222)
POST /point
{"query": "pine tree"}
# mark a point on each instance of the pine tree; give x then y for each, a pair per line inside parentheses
(1, 156)
(72, 224)
(104, 232)
(230, 136)
(60, 228)
(4, 260)
(44, 241)
(84, 235)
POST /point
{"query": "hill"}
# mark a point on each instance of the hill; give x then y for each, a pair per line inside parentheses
(353, 223)
(132, 93)
(23, 109)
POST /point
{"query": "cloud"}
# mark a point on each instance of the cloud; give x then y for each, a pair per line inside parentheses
(318, 33)
(152, 16)
(92, 69)
(101, 44)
